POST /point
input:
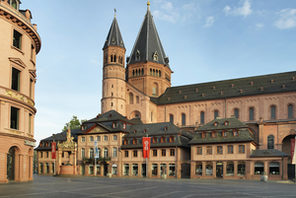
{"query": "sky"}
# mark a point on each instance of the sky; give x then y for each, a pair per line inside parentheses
(205, 40)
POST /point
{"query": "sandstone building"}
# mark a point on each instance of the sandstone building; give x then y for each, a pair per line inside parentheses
(20, 43)
(238, 128)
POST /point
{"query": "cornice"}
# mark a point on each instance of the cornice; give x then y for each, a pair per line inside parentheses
(17, 136)
(18, 19)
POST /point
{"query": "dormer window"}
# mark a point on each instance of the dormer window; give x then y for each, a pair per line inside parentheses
(145, 130)
(113, 125)
(155, 56)
(213, 134)
(224, 133)
(14, 4)
(124, 125)
(165, 128)
(215, 123)
(135, 131)
(226, 123)
(137, 55)
(134, 141)
(235, 133)
(203, 134)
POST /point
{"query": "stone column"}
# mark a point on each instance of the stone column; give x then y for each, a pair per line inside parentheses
(235, 163)
(204, 164)
(192, 169)
(266, 167)
(158, 170)
(178, 170)
(224, 169)
(214, 169)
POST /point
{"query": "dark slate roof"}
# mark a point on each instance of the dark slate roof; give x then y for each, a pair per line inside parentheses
(147, 43)
(220, 124)
(266, 84)
(244, 135)
(268, 153)
(62, 136)
(107, 117)
(114, 37)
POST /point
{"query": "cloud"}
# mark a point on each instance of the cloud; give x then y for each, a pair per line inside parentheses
(167, 11)
(259, 25)
(209, 21)
(244, 10)
(287, 19)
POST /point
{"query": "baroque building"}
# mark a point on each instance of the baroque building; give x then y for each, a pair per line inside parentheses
(20, 43)
(238, 128)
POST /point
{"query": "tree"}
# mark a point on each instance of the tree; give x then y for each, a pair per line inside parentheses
(74, 123)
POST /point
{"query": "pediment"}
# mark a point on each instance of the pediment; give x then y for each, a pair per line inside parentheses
(17, 61)
(97, 129)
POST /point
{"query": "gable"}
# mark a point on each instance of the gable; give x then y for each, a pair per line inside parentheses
(97, 129)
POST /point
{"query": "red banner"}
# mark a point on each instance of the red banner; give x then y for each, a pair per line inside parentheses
(292, 149)
(53, 150)
(146, 146)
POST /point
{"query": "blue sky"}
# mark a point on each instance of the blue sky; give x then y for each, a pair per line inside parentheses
(206, 40)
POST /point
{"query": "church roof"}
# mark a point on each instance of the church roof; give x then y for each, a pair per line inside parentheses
(114, 37)
(256, 85)
(148, 46)
(111, 115)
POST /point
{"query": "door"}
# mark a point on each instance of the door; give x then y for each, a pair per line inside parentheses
(106, 169)
(185, 170)
(219, 170)
(291, 171)
(144, 170)
(11, 163)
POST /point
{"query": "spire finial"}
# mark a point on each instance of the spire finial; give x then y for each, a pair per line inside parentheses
(148, 5)
(115, 12)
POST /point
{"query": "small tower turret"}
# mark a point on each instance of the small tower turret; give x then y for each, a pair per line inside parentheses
(114, 84)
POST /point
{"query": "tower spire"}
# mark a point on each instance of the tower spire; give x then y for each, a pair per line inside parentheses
(148, 5)
(115, 11)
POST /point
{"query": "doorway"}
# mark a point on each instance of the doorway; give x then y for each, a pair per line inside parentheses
(11, 164)
(144, 170)
(219, 170)
(106, 166)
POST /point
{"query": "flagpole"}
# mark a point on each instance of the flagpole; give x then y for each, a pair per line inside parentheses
(147, 162)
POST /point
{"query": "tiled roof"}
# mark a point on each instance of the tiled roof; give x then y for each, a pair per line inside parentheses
(256, 85)
(107, 117)
(114, 37)
(268, 153)
(220, 124)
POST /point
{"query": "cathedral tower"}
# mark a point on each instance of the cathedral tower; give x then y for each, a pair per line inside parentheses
(114, 84)
(148, 67)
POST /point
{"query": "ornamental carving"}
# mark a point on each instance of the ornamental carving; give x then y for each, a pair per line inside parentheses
(69, 144)
(17, 96)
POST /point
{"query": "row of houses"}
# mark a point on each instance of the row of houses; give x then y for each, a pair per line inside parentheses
(222, 148)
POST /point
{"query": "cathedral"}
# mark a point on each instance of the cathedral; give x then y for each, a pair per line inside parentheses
(241, 128)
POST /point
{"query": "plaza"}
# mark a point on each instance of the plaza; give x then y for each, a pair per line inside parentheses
(48, 186)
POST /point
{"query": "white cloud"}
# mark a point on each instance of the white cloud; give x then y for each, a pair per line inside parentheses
(259, 25)
(287, 19)
(244, 10)
(209, 21)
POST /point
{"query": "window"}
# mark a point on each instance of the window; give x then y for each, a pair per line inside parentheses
(114, 169)
(154, 153)
(17, 39)
(31, 88)
(216, 114)
(251, 113)
(290, 111)
(230, 149)
(98, 138)
(41, 154)
(114, 152)
(202, 117)
(241, 168)
(209, 150)
(172, 169)
(236, 113)
(199, 150)
(163, 152)
(14, 4)
(270, 142)
(172, 152)
(105, 152)
(230, 169)
(99, 151)
(219, 150)
(135, 153)
(32, 52)
(183, 119)
(131, 98)
(82, 139)
(91, 138)
(15, 79)
(209, 170)
(274, 168)
(198, 169)
(91, 153)
(83, 153)
(259, 168)
(138, 99)
(114, 137)
(154, 169)
(272, 112)
(126, 170)
(155, 89)
(105, 138)
(47, 154)
(14, 118)
(125, 153)
(30, 123)
(172, 118)
(135, 169)
(241, 148)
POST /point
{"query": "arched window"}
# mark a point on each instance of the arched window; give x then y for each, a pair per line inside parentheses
(172, 118)
(91, 153)
(156, 72)
(216, 114)
(131, 98)
(202, 117)
(272, 112)
(137, 99)
(290, 111)
(112, 59)
(259, 168)
(105, 152)
(159, 73)
(270, 142)
(155, 89)
(183, 119)
(136, 72)
(150, 72)
(153, 72)
(14, 4)
(236, 113)
(142, 72)
(138, 55)
(133, 72)
(274, 168)
(251, 113)
(115, 58)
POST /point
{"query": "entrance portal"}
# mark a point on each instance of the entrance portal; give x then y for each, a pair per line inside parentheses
(106, 166)
(11, 163)
(219, 170)
(144, 170)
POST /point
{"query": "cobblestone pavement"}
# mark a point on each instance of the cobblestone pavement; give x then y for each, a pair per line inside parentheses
(47, 186)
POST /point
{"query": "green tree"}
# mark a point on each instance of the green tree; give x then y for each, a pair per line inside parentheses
(74, 123)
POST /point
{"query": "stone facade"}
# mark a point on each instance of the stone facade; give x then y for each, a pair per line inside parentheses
(20, 43)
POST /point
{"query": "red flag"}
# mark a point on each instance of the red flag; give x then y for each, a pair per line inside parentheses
(146, 146)
(53, 150)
